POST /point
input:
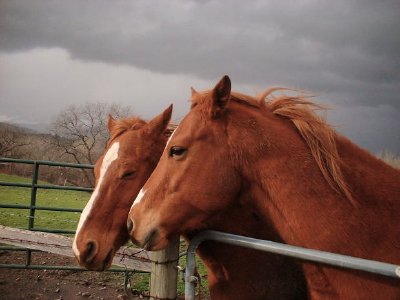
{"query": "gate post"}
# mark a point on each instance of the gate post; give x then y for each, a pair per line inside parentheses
(164, 272)
(32, 210)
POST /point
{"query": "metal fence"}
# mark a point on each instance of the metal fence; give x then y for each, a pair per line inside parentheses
(190, 279)
(33, 208)
(162, 263)
(317, 256)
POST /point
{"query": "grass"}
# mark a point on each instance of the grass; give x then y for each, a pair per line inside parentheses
(65, 220)
(50, 198)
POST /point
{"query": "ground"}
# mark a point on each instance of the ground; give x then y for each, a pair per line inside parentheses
(55, 284)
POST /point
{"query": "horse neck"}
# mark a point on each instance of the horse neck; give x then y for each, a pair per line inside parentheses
(290, 192)
(242, 271)
(370, 179)
(239, 219)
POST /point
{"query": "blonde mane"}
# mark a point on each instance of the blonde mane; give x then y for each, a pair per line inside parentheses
(318, 135)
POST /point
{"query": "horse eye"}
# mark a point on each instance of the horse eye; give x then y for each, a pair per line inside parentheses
(177, 151)
(128, 174)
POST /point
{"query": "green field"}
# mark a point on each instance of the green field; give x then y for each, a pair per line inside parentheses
(49, 198)
(60, 220)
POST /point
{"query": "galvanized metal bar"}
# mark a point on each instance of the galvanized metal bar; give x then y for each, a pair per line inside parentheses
(35, 175)
(317, 256)
(50, 208)
(46, 163)
(17, 160)
(15, 184)
(47, 186)
(190, 278)
(27, 185)
(31, 219)
(61, 187)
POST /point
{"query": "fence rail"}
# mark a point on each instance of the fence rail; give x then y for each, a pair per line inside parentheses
(46, 163)
(317, 256)
(47, 186)
(128, 258)
(34, 186)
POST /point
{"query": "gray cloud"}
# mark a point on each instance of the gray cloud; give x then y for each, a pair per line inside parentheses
(357, 40)
(348, 51)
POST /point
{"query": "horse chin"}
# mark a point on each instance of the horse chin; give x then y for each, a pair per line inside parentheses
(99, 265)
(108, 260)
(150, 240)
(155, 241)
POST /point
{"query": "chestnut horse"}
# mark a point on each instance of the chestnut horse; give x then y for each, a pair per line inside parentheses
(278, 163)
(132, 153)
(104, 231)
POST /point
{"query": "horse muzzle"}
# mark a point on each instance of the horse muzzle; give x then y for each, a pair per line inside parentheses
(92, 259)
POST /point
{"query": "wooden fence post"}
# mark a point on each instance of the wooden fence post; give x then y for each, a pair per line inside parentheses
(164, 272)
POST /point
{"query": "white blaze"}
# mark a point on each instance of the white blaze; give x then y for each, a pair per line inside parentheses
(109, 157)
(139, 197)
(142, 192)
(170, 137)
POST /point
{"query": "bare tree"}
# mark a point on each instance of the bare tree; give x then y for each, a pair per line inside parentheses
(11, 141)
(80, 132)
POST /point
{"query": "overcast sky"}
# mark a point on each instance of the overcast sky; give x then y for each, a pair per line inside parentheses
(147, 54)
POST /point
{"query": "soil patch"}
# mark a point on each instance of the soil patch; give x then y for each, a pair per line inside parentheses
(56, 284)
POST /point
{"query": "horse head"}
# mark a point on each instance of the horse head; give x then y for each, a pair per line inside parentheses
(131, 155)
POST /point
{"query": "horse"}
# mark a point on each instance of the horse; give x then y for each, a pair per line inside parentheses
(104, 232)
(131, 154)
(275, 160)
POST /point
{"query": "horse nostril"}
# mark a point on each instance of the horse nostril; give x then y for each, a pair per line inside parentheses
(91, 250)
(130, 225)
(108, 259)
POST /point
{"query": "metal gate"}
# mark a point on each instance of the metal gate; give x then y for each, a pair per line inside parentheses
(33, 208)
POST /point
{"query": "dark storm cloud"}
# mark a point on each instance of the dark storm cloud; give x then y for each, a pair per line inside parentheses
(350, 48)
(347, 52)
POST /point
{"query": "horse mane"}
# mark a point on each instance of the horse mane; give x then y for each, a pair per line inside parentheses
(316, 132)
(135, 123)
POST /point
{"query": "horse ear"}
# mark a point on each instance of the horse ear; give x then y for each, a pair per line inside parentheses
(221, 95)
(194, 92)
(160, 123)
(111, 123)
